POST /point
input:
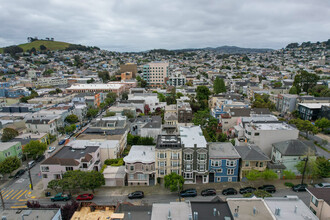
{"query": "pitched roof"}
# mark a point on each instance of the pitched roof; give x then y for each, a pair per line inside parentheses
(294, 148)
(251, 152)
(321, 193)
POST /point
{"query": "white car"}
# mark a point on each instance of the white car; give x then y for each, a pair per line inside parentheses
(51, 149)
(322, 185)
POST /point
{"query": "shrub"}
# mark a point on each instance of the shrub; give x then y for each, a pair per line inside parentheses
(288, 184)
(114, 162)
(288, 174)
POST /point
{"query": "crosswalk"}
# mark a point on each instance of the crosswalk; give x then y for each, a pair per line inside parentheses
(18, 196)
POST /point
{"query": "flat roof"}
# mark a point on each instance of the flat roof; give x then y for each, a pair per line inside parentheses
(89, 143)
(250, 209)
(141, 153)
(314, 105)
(96, 86)
(192, 135)
(291, 207)
(222, 150)
(176, 210)
(29, 214)
(272, 126)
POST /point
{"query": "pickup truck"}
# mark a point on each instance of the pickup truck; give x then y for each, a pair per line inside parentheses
(60, 197)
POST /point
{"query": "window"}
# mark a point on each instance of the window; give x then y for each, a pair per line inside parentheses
(131, 176)
(313, 210)
(57, 176)
(218, 179)
(141, 176)
(216, 163)
(188, 156)
(231, 163)
(229, 179)
(314, 201)
(131, 168)
(85, 165)
(162, 163)
(161, 172)
(201, 167)
(261, 164)
(44, 169)
(188, 175)
(247, 163)
(256, 134)
(257, 163)
(7, 154)
(161, 155)
(44, 176)
(68, 168)
(188, 167)
(175, 164)
(175, 156)
(175, 171)
(230, 172)
(201, 156)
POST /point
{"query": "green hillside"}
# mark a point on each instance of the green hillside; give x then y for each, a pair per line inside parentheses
(51, 45)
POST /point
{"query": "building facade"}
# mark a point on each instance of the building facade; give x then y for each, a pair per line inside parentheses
(155, 73)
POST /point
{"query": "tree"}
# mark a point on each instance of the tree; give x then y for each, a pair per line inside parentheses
(277, 84)
(104, 75)
(293, 90)
(43, 47)
(216, 86)
(111, 98)
(304, 81)
(70, 128)
(124, 96)
(304, 125)
(72, 119)
(92, 112)
(93, 180)
(262, 101)
(269, 175)
(288, 174)
(48, 72)
(322, 123)
(253, 175)
(9, 165)
(8, 134)
(174, 182)
(161, 97)
(34, 148)
(91, 80)
(203, 93)
(178, 95)
(54, 185)
(310, 167)
(322, 167)
(109, 114)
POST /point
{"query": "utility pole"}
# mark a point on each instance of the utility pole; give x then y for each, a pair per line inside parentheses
(30, 177)
(2, 202)
(303, 174)
(179, 190)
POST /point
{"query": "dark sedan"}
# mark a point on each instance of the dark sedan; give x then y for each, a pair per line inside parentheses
(229, 191)
(248, 189)
(136, 195)
(188, 193)
(299, 188)
(268, 188)
(19, 173)
(209, 192)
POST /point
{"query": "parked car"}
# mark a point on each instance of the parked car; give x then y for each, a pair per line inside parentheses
(19, 173)
(188, 193)
(136, 195)
(322, 185)
(268, 188)
(85, 197)
(51, 149)
(61, 142)
(31, 164)
(248, 189)
(229, 191)
(209, 192)
(299, 188)
(60, 197)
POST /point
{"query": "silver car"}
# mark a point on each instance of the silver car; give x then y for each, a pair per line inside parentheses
(322, 185)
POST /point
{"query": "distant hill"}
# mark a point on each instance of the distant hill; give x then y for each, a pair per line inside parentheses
(52, 45)
(228, 49)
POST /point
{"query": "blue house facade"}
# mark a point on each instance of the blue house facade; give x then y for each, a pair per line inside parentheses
(223, 162)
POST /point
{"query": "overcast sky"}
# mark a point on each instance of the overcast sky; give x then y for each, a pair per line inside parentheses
(136, 25)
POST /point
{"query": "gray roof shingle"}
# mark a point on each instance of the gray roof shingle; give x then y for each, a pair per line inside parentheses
(252, 153)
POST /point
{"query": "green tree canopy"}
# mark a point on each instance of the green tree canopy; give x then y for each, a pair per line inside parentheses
(174, 182)
(293, 90)
(263, 101)
(70, 128)
(304, 125)
(8, 134)
(202, 93)
(304, 81)
(288, 174)
(72, 119)
(9, 165)
(34, 149)
(92, 112)
(322, 167)
(104, 75)
(310, 167)
(322, 123)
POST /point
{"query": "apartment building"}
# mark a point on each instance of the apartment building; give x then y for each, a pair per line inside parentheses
(168, 155)
(155, 73)
(129, 67)
(320, 202)
(185, 114)
(194, 155)
(50, 81)
(10, 149)
(40, 124)
(140, 165)
(85, 158)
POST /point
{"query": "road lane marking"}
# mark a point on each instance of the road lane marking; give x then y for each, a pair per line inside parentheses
(21, 194)
(6, 192)
(23, 200)
(12, 197)
(29, 193)
(11, 193)
(18, 207)
(33, 197)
